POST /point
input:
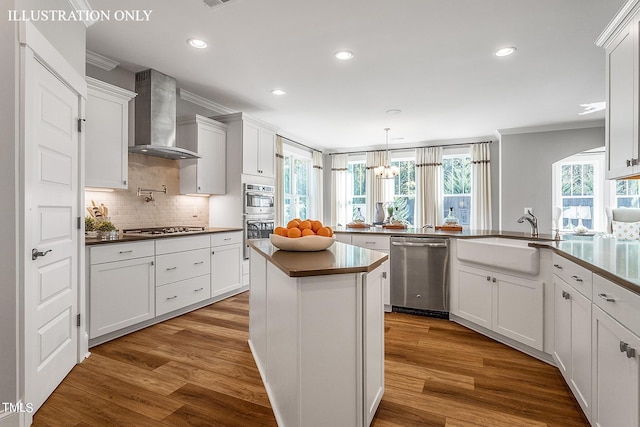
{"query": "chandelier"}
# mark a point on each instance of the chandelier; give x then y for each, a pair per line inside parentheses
(386, 171)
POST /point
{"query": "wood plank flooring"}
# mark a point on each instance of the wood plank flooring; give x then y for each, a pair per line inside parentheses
(197, 370)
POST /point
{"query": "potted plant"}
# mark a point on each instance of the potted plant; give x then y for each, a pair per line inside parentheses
(90, 225)
(107, 229)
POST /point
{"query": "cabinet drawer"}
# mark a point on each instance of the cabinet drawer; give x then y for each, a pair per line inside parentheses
(218, 239)
(622, 304)
(181, 294)
(575, 275)
(120, 251)
(371, 241)
(179, 244)
(182, 265)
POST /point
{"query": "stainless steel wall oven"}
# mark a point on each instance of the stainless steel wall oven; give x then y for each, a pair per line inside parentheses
(259, 212)
(257, 228)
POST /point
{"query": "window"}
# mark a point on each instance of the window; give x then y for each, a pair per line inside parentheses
(404, 186)
(297, 176)
(456, 183)
(627, 193)
(356, 182)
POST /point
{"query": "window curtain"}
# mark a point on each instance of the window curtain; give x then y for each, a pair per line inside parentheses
(428, 186)
(279, 180)
(480, 186)
(339, 168)
(316, 185)
(377, 189)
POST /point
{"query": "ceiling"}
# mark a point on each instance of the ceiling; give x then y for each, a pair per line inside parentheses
(432, 59)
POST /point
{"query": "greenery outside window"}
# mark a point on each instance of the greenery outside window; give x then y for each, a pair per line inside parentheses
(456, 183)
(404, 186)
(297, 176)
(356, 181)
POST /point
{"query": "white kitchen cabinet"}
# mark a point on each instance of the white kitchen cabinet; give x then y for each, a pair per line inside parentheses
(226, 262)
(572, 340)
(257, 140)
(343, 237)
(509, 305)
(107, 135)
(376, 243)
(183, 272)
(616, 377)
(208, 138)
(121, 286)
(621, 42)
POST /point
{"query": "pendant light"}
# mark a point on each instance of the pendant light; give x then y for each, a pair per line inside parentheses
(386, 171)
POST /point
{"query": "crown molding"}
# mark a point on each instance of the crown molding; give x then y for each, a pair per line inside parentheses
(101, 61)
(618, 23)
(185, 95)
(554, 127)
(109, 89)
(83, 5)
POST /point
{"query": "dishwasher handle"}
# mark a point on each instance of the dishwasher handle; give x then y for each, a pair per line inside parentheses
(422, 245)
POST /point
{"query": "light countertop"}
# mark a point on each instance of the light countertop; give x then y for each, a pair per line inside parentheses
(340, 258)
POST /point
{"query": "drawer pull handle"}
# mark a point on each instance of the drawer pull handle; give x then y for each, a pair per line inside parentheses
(126, 252)
(173, 297)
(488, 278)
(171, 268)
(566, 295)
(558, 266)
(228, 238)
(199, 262)
(577, 279)
(370, 243)
(198, 290)
(606, 298)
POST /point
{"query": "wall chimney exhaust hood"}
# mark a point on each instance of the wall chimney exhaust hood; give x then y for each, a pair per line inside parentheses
(156, 117)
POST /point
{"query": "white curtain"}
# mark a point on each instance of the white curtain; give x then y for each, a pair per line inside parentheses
(428, 186)
(378, 190)
(339, 165)
(279, 181)
(317, 193)
(480, 186)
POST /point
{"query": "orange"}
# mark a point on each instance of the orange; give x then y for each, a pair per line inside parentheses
(305, 225)
(293, 223)
(324, 231)
(278, 230)
(330, 230)
(315, 225)
(294, 232)
(284, 232)
(308, 232)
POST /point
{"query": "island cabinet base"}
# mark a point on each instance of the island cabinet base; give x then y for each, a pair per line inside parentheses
(318, 342)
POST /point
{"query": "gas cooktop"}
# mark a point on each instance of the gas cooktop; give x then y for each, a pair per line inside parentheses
(163, 230)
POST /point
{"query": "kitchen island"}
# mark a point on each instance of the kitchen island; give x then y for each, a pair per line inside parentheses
(316, 331)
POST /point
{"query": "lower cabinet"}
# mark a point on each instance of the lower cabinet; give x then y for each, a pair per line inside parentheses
(376, 243)
(509, 305)
(616, 379)
(121, 292)
(226, 262)
(572, 340)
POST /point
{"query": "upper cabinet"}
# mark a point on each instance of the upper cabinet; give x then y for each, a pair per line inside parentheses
(206, 175)
(258, 143)
(107, 135)
(621, 41)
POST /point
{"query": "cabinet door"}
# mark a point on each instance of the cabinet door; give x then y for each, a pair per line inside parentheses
(107, 136)
(581, 350)
(267, 157)
(250, 153)
(121, 294)
(518, 305)
(562, 327)
(373, 335)
(615, 373)
(475, 295)
(258, 312)
(622, 137)
(226, 269)
(211, 168)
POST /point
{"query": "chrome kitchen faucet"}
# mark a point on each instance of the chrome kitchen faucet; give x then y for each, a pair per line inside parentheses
(532, 220)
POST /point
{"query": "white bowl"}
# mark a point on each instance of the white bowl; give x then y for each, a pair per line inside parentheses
(301, 244)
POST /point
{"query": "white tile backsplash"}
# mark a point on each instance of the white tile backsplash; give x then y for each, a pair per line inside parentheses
(127, 210)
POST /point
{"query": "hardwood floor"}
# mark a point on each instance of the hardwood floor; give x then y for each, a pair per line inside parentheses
(197, 369)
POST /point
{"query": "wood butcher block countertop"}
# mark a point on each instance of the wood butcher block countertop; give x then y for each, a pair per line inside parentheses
(124, 238)
(340, 258)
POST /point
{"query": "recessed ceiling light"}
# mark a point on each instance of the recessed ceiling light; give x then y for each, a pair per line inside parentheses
(278, 92)
(394, 111)
(197, 43)
(505, 51)
(344, 54)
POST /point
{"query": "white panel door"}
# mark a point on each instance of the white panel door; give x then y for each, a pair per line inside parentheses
(226, 269)
(51, 209)
(475, 296)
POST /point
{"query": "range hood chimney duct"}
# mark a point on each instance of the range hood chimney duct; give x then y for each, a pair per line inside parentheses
(156, 117)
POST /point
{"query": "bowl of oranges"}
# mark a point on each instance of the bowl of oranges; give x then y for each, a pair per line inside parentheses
(303, 236)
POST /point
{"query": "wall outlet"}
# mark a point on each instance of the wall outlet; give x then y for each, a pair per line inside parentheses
(526, 210)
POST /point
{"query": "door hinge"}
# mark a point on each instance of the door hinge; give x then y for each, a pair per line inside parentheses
(78, 320)
(80, 124)
(79, 223)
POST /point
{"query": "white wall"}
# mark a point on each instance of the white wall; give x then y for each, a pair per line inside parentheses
(526, 161)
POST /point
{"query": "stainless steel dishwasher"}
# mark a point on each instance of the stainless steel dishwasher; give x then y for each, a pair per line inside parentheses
(419, 282)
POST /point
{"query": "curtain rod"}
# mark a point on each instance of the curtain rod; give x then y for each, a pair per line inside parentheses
(413, 148)
(298, 143)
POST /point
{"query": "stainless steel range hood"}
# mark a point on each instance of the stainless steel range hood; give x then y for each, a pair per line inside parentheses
(156, 117)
